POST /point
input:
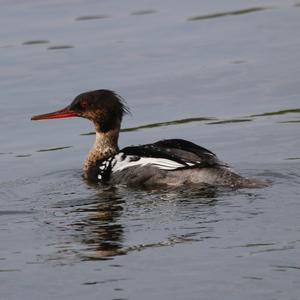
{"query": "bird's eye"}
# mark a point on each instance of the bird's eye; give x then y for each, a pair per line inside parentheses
(84, 103)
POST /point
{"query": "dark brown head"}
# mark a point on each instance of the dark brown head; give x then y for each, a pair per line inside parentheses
(104, 107)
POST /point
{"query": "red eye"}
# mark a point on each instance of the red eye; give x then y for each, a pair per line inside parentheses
(84, 103)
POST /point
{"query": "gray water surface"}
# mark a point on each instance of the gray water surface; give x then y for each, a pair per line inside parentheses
(223, 74)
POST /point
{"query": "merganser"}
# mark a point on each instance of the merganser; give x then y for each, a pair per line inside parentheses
(166, 162)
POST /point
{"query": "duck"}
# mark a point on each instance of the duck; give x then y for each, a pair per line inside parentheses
(168, 162)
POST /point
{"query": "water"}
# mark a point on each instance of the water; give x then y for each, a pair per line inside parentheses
(223, 75)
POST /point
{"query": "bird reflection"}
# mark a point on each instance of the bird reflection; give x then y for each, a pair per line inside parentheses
(96, 222)
(100, 229)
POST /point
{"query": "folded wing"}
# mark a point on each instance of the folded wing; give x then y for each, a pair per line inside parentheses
(171, 154)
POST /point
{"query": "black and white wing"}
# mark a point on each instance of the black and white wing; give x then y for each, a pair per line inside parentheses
(172, 154)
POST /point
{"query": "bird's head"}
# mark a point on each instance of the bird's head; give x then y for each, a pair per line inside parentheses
(103, 107)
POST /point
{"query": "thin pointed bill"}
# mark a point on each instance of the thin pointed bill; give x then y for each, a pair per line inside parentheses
(63, 113)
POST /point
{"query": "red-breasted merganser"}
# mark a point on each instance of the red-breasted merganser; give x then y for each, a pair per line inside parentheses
(166, 162)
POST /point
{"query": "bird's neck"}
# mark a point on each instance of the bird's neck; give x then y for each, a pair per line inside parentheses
(106, 145)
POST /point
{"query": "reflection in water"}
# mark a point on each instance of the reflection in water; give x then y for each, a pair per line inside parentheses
(290, 121)
(97, 224)
(229, 121)
(161, 124)
(237, 62)
(211, 120)
(100, 229)
(94, 223)
(143, 12)
(7, 46)
(86, 222)
(58, 47)
(54, 149)
(16, 212)
(285, 268)
(228, 13)
(92, 17)
(10, 270)
(278, 112)
(36, 42)
(168, 123)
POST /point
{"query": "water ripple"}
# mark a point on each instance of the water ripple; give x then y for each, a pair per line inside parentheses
(36, 42)
(228, 13)
(92, 17)
(60, 47)
(143, 12)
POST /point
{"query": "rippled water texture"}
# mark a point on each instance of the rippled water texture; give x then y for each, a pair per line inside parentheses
(223, 74)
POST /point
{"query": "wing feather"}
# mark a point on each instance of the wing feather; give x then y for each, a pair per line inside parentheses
(169, 154)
